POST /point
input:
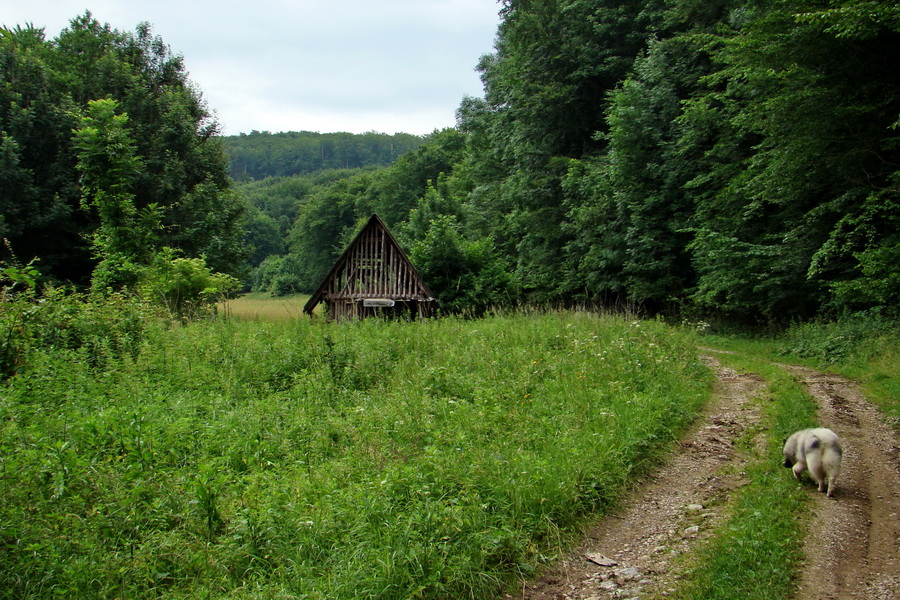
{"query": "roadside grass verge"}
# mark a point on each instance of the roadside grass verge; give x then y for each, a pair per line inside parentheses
(302, 459)
(863, 347)
(751, 555)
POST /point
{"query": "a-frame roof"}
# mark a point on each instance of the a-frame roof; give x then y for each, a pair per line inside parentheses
(372, 265)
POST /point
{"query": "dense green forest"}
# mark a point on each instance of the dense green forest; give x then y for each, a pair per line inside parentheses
(731, 159)
(736, 159)
(108, 155)
(258, 155)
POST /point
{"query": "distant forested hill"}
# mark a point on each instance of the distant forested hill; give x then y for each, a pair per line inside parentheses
(262, 154)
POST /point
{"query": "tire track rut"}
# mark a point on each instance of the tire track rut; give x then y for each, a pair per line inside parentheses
(853, 545)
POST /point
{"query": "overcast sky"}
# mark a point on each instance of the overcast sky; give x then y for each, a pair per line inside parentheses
(314, 65)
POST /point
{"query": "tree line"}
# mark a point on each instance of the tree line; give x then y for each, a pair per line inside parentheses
(110, 159)
(258, 155)
(730, 158)
(740, 159)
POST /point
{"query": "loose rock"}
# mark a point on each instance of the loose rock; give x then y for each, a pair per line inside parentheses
(628, 574)
(609, 586)
(599, 559)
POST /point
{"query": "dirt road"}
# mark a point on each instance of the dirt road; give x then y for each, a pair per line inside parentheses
(853, 545)
(853, 548)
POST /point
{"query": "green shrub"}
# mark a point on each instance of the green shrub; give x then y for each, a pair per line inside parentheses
(278, 276)
(852, 336)
(58, 321)
(184, 286)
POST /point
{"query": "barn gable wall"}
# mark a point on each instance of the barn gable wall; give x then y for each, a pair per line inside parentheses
(373, 277)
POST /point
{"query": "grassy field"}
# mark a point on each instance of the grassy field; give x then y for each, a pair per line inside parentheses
(263, 307)
(252, 458)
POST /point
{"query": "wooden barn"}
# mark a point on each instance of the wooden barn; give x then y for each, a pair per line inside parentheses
(373, 277)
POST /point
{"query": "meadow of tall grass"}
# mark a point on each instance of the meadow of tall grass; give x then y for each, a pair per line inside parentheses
(302, 459)
(263, 307)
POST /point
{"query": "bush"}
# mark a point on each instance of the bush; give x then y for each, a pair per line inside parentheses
(184, 286)
(279, 276)
(837, 341)
(285, 285)
(467, 276)
(98, 329)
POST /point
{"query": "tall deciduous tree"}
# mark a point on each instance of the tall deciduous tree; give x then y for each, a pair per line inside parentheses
(545, 95)
(800, 179)
(182, 167)
(108, 167)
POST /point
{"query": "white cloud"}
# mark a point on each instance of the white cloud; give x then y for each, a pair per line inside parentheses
(322, 65)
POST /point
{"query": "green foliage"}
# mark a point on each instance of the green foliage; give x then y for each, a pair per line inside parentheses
(322, 231)
(798, 180)
(261, 155)
(879, 281)
(107, 161)
(274, 205)
(14, 276)
(99, 331)
(265, 236)
(858, 19)
(278, 276)
(17, 291)
(466, 276)
(851, 337)
(395, 191)
(735, 162)
(545, 96)
(108, 166)
(433, 459)
(184, 286)
(166, 164)
(334, 212)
